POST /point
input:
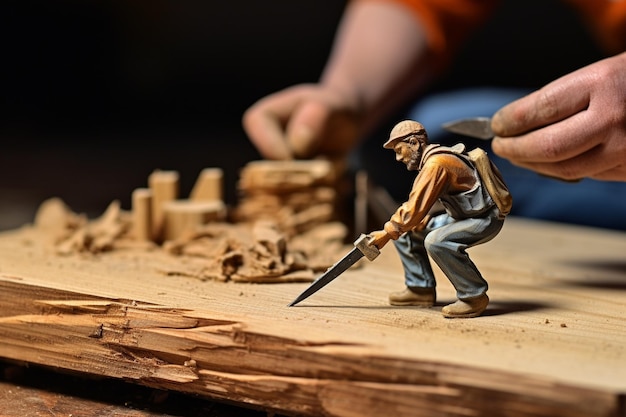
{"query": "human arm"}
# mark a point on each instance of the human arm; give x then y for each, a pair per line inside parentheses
(378, 46)
(572, 128)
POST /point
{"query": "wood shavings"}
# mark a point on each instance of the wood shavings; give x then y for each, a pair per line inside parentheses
(257, 252)
(70, 232)
(57, 221)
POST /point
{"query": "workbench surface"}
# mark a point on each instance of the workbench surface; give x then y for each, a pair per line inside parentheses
(552, 342)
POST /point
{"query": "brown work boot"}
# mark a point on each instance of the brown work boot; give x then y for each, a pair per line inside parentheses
(465, 309)
(421, 297)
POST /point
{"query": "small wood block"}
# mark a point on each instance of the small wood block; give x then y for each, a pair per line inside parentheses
(142, 214)
(184, 216)
(165, 187)
(285, 176)
(208, 186)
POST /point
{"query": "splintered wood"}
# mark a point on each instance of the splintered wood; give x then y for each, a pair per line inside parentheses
(282, 232)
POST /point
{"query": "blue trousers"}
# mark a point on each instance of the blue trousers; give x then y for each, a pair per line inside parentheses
(446, 240)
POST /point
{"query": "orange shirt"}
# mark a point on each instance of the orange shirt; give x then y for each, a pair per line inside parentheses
(447, 22)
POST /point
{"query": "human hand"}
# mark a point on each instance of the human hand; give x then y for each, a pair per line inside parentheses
(572, 128)
(302, 122)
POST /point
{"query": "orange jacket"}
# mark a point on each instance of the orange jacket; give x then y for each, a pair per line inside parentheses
(447, 22)
(443, 175)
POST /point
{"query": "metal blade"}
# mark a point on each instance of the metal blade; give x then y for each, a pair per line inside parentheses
(330, 274)
(476, 127)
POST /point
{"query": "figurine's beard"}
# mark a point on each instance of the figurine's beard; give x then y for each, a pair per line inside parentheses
(414, 162)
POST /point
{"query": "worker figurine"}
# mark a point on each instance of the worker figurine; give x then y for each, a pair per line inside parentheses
(476, 202)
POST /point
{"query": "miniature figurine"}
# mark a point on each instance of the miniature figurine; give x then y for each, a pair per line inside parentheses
(476, 202)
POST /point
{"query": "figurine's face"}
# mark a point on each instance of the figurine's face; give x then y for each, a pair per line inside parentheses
(409, 154)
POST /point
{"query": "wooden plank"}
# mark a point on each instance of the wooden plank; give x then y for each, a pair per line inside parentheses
(551, 343)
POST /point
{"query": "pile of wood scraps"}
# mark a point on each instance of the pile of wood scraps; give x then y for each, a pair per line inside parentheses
(282, 229)
(298, 195)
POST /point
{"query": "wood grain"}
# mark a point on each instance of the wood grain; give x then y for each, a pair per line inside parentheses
(551, 343)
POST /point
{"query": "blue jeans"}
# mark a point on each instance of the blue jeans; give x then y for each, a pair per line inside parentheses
(588, 202)
(446, 240)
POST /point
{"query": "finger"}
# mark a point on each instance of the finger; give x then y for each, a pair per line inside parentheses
(266, 133)
(265, 123)
(556, 142)
(615, 174)
(306, 128)
(552, 103)
(598, 162)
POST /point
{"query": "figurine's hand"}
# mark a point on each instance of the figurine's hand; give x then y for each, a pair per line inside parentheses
(379, 238)
(572, 128)
(301, 122)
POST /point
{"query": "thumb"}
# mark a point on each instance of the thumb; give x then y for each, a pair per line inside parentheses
(306, 129)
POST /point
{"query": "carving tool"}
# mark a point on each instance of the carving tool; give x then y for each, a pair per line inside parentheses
(361, 248)
(475, 127)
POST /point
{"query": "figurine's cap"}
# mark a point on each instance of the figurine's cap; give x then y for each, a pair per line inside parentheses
(403, 130)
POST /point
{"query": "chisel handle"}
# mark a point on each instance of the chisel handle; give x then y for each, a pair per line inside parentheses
(371, 252)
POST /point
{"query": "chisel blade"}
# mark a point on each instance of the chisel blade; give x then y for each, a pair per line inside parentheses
(476, 127)
(361, 248)
(332, 273)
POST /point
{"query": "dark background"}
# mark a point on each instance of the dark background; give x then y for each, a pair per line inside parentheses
(95, 95)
